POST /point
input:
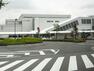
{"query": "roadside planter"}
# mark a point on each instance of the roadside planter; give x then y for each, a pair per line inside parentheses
(25, 40)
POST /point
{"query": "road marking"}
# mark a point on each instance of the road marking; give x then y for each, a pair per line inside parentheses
(27, 53)
(92, 55)
(41, 53)
(10, 55)
(10, 65)
(72, 63)
(1, 63)
(87, 61)
(6, 56)
(57, 64)
(24, 66)
(41, 65)
(54, 51)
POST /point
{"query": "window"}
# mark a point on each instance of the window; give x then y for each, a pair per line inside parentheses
(76, 22)
(86, 21)
(92, 27)
(69, 25)
(1, 27)
(60, 28)
(64, 27)
(49, 21)
(93, 22)
(57, 21)
(72, 24)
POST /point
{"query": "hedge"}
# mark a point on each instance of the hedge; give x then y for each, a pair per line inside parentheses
(25, 40)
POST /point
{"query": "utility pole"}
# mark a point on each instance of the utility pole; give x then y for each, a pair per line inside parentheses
(15, 27)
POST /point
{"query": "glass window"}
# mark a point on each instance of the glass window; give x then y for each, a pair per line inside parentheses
(92, 27)
(56, 21)
(93, 22)
(70, 25)
(76, 22)
(66, 26)
(49, 21)
(86, 21)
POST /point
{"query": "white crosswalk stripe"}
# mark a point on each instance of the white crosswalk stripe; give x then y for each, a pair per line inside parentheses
(87, 61)
(1, 63)
(41, 53)
(24, 66)
(57, 64)
(10, 65)
(92, 55)
(41, 65)
(72, 63)
(72, 66)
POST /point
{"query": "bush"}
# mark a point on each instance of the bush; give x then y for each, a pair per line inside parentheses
(25, 40)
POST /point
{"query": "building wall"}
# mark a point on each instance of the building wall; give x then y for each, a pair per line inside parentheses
(45, 23)
(27, 25)
(30, 23)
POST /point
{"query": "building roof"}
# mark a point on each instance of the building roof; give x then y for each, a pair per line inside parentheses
(44, 15)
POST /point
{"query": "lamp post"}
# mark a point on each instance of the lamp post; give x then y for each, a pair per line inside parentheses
(38, 29)
(15, 27)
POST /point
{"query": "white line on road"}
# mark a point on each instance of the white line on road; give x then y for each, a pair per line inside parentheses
(27, 53)
(24, 66)
(10, 65)
(54, 51)
(1, 63)
(41, 65)
(6, 56)
(72, 63)
(57, 64)
(10, 56)
(92, 55)
(41, 53)
(87, 61)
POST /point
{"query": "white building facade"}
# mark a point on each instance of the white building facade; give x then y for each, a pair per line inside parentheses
(30, 22)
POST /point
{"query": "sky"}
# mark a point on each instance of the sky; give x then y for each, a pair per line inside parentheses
(75, 8)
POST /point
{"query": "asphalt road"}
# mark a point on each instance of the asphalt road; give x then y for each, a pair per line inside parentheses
(48, 56)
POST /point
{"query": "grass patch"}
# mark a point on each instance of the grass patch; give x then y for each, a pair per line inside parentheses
(25, 40)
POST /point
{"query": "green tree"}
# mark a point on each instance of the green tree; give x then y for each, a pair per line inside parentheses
(2, 3)
(56, 28)
(75, 31)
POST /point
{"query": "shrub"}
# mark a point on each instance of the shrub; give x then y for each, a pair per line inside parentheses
(26, 40)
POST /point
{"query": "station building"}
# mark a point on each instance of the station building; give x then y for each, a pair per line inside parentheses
(28, 23)
(84, 25)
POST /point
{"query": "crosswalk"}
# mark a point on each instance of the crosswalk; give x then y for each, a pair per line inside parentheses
(28, 53)
(56, 66)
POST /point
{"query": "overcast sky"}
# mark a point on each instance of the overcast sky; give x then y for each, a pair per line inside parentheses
(73, 7)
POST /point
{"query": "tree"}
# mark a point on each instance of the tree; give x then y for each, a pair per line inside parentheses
(56, 28)
(75, 31)
(38, 32)
(2, 3)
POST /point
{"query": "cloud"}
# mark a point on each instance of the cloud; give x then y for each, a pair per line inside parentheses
(73, 7)
(88, 6)
(20, 4)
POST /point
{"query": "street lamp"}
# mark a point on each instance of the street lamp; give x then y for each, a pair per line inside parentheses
(15, 27)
